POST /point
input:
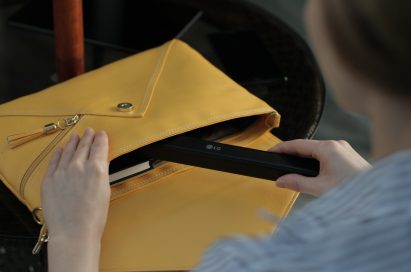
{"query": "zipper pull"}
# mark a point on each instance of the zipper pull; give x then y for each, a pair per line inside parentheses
(21, 138)
(43, 238)
(44, 234)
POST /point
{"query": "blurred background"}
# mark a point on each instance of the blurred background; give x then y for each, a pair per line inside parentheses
(274, 60)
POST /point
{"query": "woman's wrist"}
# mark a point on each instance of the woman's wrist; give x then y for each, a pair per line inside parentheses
(73, 240)
(78, 253)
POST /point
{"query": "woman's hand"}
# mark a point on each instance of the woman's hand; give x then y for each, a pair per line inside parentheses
(338, 160)
(75, 200)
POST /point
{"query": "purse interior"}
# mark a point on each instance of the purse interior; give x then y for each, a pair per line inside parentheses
(215, 132)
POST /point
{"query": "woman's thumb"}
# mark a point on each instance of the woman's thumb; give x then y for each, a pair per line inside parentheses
(297, 183)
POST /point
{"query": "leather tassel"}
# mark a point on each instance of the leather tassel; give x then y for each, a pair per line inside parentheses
(22, 138)
(19, 139)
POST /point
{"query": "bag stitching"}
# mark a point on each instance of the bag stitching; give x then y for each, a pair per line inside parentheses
(152, 84)
(189, 127)
(129, 188)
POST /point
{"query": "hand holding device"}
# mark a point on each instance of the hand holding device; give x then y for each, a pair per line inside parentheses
(338, 160)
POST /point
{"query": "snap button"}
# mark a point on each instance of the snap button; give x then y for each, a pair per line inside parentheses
(125, 107)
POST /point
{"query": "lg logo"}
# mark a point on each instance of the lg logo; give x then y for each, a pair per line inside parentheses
(213, 147)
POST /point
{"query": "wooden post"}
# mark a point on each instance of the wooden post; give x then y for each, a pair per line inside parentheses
(69, 38)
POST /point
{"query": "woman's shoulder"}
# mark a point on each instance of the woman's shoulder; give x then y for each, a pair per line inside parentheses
(384, 188)
(390, 175)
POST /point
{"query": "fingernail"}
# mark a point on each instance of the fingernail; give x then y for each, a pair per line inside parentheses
(59, 149)
(73, 137)
(280, 183)
(102, 132)
(89, 131)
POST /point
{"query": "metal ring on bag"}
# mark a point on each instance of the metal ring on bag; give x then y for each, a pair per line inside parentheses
(35, 214)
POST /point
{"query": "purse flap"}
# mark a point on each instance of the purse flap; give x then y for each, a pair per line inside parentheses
(173, 73)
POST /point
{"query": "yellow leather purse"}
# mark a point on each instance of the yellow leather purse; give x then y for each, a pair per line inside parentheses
(163, 219)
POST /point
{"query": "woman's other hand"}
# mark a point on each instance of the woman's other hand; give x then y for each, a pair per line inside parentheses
(338, 160)
(75, 200)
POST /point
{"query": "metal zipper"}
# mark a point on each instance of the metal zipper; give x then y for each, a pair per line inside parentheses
(65, 126)
(19, 139)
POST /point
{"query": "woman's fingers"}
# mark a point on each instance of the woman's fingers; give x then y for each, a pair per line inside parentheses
(299, 183)
(80, 191)
(83, 148)
(68, 151)
(54, 161)
(305, 148)
(99, 148)
(337, 162)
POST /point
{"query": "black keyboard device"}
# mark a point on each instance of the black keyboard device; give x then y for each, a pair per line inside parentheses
(229, 158)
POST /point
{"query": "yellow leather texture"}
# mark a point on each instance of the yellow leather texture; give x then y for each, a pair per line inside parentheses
(164, 219)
